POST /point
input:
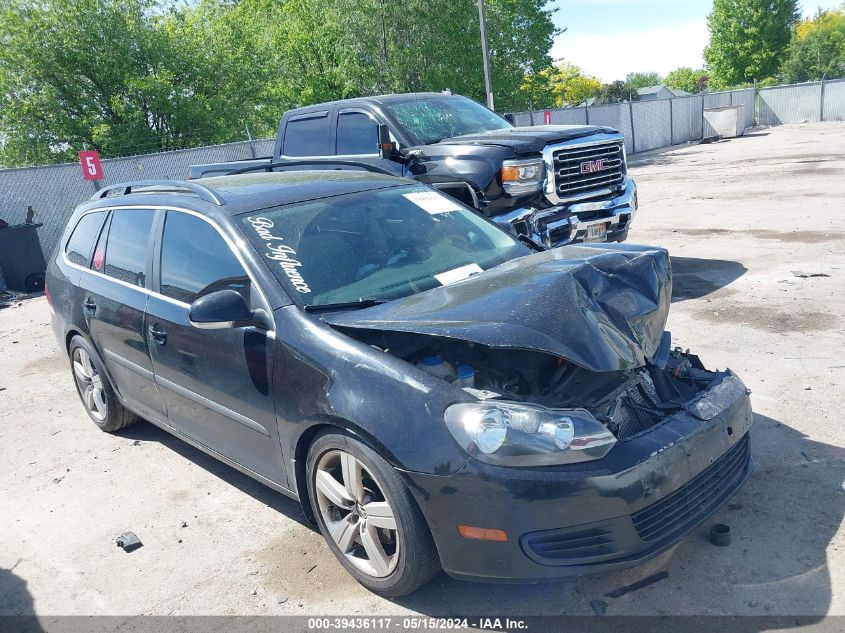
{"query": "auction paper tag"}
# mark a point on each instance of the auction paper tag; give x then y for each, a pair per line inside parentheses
(432, 201)
(451, 276)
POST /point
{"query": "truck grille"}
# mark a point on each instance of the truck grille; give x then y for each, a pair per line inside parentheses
(697, 498)
(578, 170)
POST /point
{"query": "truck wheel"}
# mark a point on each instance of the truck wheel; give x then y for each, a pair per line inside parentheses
(368, 517)
(34, 283)
(95, 390)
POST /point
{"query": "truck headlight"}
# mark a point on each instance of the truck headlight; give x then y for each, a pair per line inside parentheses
(515, 434)
(522, 176)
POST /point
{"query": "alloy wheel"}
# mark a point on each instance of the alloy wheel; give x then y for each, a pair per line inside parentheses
(357, 514)
(90, 384)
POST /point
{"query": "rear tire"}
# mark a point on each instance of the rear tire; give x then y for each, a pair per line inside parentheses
(95, 389)
(368, 517)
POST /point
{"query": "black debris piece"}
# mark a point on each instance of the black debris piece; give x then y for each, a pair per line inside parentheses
(720, 534)
(803, 275)
(128, 541)
(599, 606)
(644, 582)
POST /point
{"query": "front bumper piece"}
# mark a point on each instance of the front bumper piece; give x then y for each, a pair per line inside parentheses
(569, 222)
(649, 492)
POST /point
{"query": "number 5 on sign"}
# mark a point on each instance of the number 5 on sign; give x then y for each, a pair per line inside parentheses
(92, 168)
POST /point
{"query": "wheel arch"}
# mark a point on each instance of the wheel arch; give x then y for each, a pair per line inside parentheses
(306, 439)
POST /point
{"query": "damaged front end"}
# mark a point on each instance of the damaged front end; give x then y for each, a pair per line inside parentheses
(564, 352)
(535, 409)
(607, 443)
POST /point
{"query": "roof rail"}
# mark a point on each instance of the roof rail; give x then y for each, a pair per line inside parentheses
(202, 192)
(268, 167)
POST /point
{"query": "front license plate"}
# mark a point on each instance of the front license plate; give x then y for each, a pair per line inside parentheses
(596, 233)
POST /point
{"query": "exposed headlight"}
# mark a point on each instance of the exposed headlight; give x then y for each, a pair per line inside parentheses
(513, 434)
(522, 176)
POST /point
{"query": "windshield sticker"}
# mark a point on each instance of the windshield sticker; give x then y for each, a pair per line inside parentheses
(451, 276)
(432, 202)
(281, 253)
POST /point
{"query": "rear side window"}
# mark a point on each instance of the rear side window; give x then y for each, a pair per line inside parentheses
(81, 242)
(196, 260)
(308, 136)
(356, 134)
(125, 256)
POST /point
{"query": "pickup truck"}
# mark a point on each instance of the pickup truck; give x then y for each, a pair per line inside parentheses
(554, 184)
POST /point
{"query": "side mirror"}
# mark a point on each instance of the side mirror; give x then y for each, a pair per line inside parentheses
(508, 116)
(386, 146)
(220, 310)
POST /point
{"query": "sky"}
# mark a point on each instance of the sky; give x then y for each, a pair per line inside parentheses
(611, 38)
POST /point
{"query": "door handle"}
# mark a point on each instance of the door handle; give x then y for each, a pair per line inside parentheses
(159, 335)
(89, 305)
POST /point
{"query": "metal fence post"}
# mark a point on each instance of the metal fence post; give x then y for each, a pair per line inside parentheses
(821, 101)
(249, 137)
(633, 133)
(755, 102)
(671, 121)
(587, 114)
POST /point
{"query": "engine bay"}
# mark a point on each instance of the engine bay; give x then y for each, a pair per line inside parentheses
(627, 402)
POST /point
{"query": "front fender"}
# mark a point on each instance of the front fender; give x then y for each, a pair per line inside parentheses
(326, 377)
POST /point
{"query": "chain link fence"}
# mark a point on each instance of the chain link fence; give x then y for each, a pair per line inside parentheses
(53, 191)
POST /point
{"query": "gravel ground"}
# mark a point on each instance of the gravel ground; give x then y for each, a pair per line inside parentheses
(740, 218)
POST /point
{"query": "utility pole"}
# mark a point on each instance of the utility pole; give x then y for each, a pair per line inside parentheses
(486, 54)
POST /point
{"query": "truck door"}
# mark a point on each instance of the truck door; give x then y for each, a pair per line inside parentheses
(306, 136)
(356, 138)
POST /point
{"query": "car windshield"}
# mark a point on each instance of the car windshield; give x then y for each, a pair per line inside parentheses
(432, 119)
(375, 245)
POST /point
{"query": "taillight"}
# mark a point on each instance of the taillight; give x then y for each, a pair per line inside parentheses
(47, 294)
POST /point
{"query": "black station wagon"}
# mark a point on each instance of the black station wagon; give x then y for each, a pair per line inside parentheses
(435, 392)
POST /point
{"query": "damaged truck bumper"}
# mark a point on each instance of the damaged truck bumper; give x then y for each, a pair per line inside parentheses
(650, 491)
(575, 221)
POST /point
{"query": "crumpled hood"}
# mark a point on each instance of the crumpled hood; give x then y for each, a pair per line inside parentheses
(528, 139)
(600, 306)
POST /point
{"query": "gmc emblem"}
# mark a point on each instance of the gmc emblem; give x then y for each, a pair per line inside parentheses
(592, 166)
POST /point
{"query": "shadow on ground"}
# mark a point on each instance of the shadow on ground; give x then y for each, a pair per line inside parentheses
(147, 432)
(16, 601)
(694, 277)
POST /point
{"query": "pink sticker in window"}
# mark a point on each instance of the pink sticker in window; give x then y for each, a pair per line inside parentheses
(99, 256)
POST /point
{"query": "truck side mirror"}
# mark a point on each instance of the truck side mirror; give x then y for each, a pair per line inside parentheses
(508, 116)
(386, 146)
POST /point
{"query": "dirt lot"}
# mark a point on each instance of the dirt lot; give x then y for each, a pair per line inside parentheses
(740, 219)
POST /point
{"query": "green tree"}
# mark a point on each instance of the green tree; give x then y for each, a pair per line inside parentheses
(817, 48)
(748, 39)
(142, 75)
(615, 92)
(687, 79)
(123, 76)
(563, 84)
(635, 81)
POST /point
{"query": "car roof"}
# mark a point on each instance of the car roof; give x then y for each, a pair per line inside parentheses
(244, 193)
(379, 99)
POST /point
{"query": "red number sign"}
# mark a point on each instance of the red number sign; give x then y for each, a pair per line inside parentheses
(547, 117)
(92, 168)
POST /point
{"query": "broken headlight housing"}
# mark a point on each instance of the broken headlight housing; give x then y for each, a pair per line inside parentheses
(522, 176)
(515, 434)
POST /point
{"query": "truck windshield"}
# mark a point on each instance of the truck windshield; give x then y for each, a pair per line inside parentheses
(376, 245)
(432, 119)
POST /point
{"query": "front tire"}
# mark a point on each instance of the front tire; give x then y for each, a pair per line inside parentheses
(368, 517)
(95, 390)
